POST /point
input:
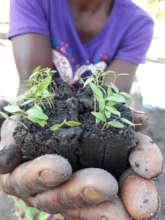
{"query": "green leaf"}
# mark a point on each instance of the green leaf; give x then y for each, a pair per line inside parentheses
(107, 73)
(56, 127)
(126, 121)
(101, 102)
(20, 98)
(126, 95)
(116, 98)
(116, 124)
(88, 81)
(41, 216)
(3, 115)
(114, 87)
(40, 122)
(99, 116)
(113, 110)
(102, 89)
(36, 70)
(72, 123)
(36, 115)
(97, 92)
(108, 114)
(27, 102)
(93, 69)
(36, 112)
(46, 94)
(109, 92)
(12, 109)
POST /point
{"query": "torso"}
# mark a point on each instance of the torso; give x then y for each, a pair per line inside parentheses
(89, 24)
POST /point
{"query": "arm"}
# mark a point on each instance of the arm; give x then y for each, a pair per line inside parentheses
(132, 51)
(30, 50)
(124, 83)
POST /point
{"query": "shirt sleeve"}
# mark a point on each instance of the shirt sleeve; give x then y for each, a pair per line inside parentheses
(27, 16)
(136, 42)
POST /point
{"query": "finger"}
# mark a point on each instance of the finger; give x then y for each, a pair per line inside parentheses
(10, 154)
(3, 103)
(42, 174)
(139, 196)
(146, 159)
(140, 120)
(106, 211)
(87, 187)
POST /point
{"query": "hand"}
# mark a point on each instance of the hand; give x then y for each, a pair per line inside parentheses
(3, 103)
(47, 182)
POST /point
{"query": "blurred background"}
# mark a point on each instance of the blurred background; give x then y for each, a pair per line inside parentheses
(148, 89)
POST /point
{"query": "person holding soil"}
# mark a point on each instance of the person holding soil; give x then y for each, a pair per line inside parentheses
(70, 35)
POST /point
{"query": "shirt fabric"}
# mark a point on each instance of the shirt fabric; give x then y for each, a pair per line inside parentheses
(126, 35)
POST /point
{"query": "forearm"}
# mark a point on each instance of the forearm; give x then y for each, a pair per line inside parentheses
(30, 50)
(125, 81)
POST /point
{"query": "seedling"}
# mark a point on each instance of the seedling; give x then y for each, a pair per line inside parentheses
(106, 99)
(40, 95)
(56, 127)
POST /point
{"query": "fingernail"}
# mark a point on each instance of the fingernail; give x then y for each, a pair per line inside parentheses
(91, 195)
(47, 178)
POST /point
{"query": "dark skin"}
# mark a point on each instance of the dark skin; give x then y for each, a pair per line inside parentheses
(31, 50)
(82, 190)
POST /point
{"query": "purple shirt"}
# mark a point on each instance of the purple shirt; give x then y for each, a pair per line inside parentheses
(126, 35)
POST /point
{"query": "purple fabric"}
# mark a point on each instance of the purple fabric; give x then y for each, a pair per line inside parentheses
(126, 35)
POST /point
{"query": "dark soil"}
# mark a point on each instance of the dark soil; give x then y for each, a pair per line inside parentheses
(85, 146)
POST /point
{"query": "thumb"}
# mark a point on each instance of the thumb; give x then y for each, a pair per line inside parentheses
(3, 103)
(10, 154)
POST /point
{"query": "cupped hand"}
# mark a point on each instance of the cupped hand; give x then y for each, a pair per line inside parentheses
(47, 183)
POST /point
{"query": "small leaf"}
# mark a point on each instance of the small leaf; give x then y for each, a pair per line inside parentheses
(114, 87)
(99, 116)
(109, 91)
(113, 110)
(88, 81)
(108, 73)
(40, 122)
(116, 124)
(101, 104)
(56, 127)
(126, 121)
(108, 114)
(102, 89)
(72, 123)
(20, 98)
(41, 216)
(116, 98)
(3, 115)
(126, 95)
(97, 92)
(12, 109)
(36, 70)
(46, 94)
(98, 121)
(36, 112)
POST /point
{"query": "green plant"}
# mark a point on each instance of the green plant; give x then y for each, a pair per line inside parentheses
(40, 94)
(106, 99)
(56, 127)
(29, 213)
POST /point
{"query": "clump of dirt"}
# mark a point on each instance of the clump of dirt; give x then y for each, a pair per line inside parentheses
(85, 146)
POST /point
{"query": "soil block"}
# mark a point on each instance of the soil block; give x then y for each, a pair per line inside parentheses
(85, 146)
